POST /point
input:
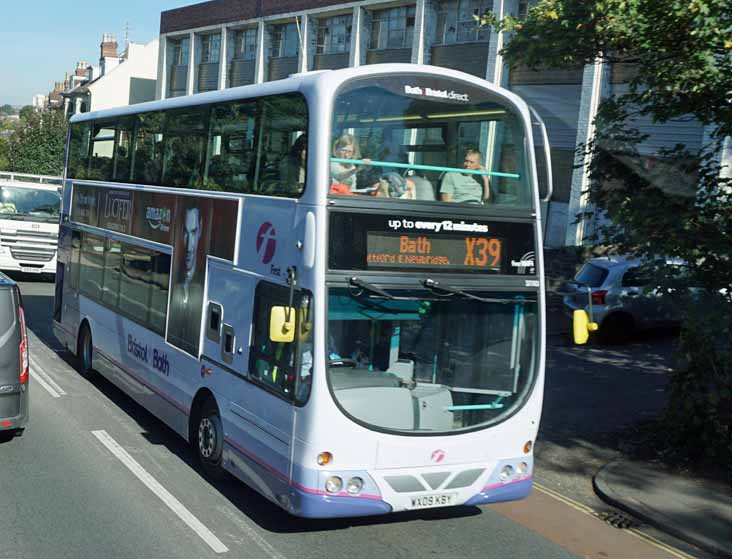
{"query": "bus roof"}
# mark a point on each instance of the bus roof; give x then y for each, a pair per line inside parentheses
(302, 81)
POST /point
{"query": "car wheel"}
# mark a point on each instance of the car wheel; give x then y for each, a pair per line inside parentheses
(85, 352)
(6, 436)
(616, 328)
(209, 440)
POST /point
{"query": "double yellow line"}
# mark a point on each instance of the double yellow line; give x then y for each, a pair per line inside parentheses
(637, 533)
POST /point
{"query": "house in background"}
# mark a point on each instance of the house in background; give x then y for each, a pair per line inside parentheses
(120, 79)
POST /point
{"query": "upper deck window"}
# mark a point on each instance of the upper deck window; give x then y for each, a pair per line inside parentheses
(248, 146)
(428, 138)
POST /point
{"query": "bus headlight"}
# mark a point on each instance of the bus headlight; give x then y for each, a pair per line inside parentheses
(506, 472)
(333, 484)
(354, 486)
(522, 468)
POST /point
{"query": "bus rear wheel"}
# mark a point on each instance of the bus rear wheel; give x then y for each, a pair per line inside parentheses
(209, 440)
(84, 352)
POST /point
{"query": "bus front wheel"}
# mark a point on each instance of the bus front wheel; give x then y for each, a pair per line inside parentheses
(84, 352)
(209, 440)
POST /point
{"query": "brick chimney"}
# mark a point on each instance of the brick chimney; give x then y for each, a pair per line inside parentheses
(108, 58)
(81, 69)
(109, 46)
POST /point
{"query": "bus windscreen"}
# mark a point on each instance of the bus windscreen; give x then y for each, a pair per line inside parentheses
(428, 138)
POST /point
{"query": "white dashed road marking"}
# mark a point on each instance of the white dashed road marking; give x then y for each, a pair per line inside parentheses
(163, 494)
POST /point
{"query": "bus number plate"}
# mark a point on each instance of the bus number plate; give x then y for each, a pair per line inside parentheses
(431, 501)
(30, 270)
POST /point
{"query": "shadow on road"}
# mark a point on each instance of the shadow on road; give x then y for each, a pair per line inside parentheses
(592, 393)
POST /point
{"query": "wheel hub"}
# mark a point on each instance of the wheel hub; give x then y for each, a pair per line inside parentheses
(206, 437)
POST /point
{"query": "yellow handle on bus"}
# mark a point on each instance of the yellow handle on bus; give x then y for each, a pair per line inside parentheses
(581, 327)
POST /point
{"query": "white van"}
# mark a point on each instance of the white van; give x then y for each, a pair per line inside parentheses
(29, 214)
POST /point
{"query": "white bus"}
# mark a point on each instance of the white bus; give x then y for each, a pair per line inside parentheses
(303, 280)
(29, 214)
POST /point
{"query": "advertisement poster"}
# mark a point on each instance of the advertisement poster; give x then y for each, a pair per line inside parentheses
(190, 246)
(154, 216)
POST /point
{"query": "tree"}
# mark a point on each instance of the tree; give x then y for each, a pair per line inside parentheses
(4, 161)
(26, 112)
(7, 110)
(37, 145)
(680, 52)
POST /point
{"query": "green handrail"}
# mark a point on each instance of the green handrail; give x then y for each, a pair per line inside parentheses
(425, 167)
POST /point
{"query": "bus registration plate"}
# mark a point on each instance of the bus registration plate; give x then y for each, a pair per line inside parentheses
(431, 501)
(30, 270)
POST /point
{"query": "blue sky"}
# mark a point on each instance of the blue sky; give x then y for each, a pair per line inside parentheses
(41, 40)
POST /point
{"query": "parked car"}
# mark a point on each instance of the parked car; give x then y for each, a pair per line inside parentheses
(14, 370)
(623, 301)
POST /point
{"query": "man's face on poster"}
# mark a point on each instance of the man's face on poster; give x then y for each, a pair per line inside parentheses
(191, 236)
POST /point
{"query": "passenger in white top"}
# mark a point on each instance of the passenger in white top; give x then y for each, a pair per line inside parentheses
(346, 147)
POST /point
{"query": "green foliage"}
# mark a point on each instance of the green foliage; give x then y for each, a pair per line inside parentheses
(38, 143)
(26, 112)
(676, 204)
(4, 161)
(7, 110)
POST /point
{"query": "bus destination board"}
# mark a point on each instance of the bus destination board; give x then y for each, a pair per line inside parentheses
(405, 251)
(379, 242)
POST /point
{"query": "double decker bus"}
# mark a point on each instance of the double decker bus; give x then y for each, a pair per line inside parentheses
(331, 285)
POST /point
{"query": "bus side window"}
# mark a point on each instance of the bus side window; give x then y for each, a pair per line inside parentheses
(271, 363)
(74, 264)
(282, 119)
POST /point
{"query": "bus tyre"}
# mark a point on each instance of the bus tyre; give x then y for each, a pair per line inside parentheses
(84, 352)
(209, 440)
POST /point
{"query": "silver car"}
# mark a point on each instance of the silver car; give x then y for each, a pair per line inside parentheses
(13, 361)
(622, 299)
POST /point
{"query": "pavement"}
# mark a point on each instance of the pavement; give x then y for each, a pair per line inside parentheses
(695, 510)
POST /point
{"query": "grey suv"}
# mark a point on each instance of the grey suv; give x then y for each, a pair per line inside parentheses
(13, 361)
(622, 300)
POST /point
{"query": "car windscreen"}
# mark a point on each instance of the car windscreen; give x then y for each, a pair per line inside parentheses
(29, 204)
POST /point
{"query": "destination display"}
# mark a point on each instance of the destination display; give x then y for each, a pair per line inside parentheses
(467, 252)
(375, 241)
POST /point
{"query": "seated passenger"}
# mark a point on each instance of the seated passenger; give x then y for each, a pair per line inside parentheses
(459, 187)
(393, 185)
(346, 147)
(293, 167)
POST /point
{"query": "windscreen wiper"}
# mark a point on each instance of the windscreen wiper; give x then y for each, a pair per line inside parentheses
(357, 282)
(436, 286)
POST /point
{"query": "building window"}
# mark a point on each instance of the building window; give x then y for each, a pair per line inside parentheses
(180, 52)
(334, 35)
(456, 24)
(245, 44)
(392, 28)
(285, 40)
(523, 9)
(210, 49)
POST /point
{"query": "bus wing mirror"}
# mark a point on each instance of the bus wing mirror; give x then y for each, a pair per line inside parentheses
(581, 327)
(282, 324)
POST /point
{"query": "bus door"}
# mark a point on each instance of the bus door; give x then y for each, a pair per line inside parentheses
(256, 383)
